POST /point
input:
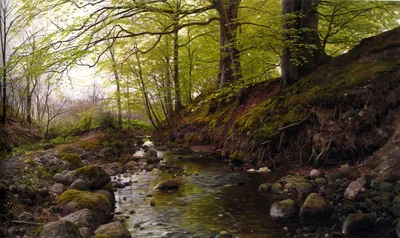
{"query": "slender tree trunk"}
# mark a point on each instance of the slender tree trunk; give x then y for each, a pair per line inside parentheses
(178, 94)
(168, 94)
(303, 51)
(28, 100)
(118, 84)
(229, 64)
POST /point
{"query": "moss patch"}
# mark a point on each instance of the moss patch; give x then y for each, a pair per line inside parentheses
(73, 159)
(93, 201)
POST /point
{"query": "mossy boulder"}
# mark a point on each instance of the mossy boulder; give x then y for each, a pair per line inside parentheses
(315, 206)
(375, 184)
(320, 181)
(386, 187)
(113, 230)
(94, 176)
(73, 160)
(396, 200)
(58, 229)
(83, 218)
(101, 236)
(356, 222)
(82, 199)
(395, 210)
(304, 189)
(265, 188)
(284, 209)
(277, 188)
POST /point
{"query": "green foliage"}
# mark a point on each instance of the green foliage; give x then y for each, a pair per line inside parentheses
(107, 120)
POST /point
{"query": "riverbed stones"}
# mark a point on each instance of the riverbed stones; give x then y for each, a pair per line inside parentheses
(304, 189)
(86, 232)
(395, 210)
(79, 184)
(94, 176)
(224, 234)
(315, 173)
(284, 209)
(396, 200)
(113, 230)
(315, 206)
(168, 185)
(365, 180)
(277, 188)
(355, 191)
(109, 195)
(57, 188)
(386, 187)
(59, 229)
(390, 176)
(265, 188)
(375, 184)
(345, 170)
(83, 218)
(151, 153)
(356, 222)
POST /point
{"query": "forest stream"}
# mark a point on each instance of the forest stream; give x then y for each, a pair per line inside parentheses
(212, 198)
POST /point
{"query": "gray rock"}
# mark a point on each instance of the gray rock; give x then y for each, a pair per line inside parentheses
(83, 218)
(60, 178)
(94, 176)
(304, 189)
(345, 170)
(58, 229)
(386, 187)
(276, 188)
(24, 191)
(284, 209)
(58, 188)
(26, 216)
(365, 180)
(375, 184)
(79, 184)
(356, 222)
(108, 195)
(395, 210)
(86, 232)
(390, 176)
(168, 185)
(151, 153)
(113, 230)
(265, 188)
(355, 191)
(315, 206)
(315, 173)
(44, 192)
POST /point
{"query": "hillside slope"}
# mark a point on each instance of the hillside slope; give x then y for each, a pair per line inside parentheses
(340, 112)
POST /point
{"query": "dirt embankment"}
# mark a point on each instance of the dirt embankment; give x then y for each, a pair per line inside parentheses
(342, 112)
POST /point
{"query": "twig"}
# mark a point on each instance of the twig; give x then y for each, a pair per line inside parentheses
(280, 141)
(28, 223)
(296, 123)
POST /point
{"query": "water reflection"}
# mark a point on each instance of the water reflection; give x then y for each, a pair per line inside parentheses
(211, 199)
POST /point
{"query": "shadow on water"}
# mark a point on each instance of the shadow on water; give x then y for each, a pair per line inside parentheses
(211, 199)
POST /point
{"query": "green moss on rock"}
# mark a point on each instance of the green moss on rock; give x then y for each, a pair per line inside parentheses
(74, 159)
(82, 199)
(95, 176)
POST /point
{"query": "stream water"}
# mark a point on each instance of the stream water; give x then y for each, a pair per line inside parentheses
(212, 198)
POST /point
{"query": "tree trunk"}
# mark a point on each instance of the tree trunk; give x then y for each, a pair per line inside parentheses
(302, 52)
(229, 64)
(168, 94)
(178, 96)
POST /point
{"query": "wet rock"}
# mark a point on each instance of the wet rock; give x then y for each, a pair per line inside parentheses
(276, 188)
(86, 232)
(151, 153)
(386, 187)
(304, 189)
(59, 229)
(224, 234)
(284, 209)
(396, 189)
(44, 192)
(152, 160)
(264, 170)
(375, 184)
(110, 196)
(365, 180)
(315, 173)
(168, 185)
(395, 210)
(320, 181)
(26, 216)
(390, 176)
(345, 170)
(315, 206)
(94, 176)
(58, 188)
(356, 222)
(396, 200)
(265, 188)
(79, 184)
(83, 218)
(113, 230)
(75, 200)
(24, 191)
(355, 191)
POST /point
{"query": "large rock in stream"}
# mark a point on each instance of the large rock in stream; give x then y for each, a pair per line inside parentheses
(58, 229)
(83, 218)
(94, 176)
(168, 185)
(315, 206)
(284, 209)
(356, 222)
(113, 230)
